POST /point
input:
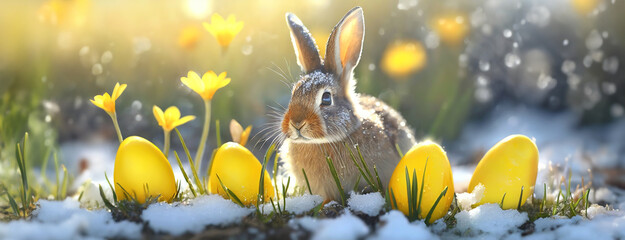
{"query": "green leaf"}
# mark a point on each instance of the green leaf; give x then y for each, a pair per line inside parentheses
(200, 187)
(231, 194)
(184, 174)
(438, 199)
(112, 189)
(336, 179)
(105, 200)
(518, 207)
(307, 183)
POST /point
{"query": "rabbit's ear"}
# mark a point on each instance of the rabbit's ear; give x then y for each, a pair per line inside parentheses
(304, 45)
(345, 44)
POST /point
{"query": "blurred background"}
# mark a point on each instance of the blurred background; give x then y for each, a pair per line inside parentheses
(465, 73)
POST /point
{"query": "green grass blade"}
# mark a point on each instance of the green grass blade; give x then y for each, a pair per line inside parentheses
(364, 165)
(64, 184)
(399, 151)
(518, 207)
(362, 173)
(260, 197)
(196, 177)
(438, 199)
(357, 183)
(58, 178)
(284, 193)
(502, 198)
(409, 194)
(230, 194)
(422, 186)
(218, 133)
(416, 204)
(307, 183)
(586, 202)
(377, 176)
(112, 188)
(106, 201)
(44, 165)
(544, 200)
(184, 174)
(394, 199)
(336, 179)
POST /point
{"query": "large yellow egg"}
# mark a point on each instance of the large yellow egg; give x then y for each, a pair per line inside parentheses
(239, 171)
(506, 168)
(437, 176)
(140, 168)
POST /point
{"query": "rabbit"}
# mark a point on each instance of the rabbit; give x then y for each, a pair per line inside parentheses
(325, 114)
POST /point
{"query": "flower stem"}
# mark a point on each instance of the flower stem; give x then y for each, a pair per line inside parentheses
(119, 132)
(166, 147)
(207, 120)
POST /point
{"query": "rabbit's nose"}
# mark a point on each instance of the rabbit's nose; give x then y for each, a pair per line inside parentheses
(298, 125)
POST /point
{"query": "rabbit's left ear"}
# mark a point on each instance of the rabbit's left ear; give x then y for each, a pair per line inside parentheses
(345, 44)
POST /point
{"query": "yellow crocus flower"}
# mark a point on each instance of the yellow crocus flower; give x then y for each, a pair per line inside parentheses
(170, 119)
(207, 85)
(403, 58)
(238, 134)
(223, 30)
(106, 101)
(584, 7)
(451, 28)
(189, 37)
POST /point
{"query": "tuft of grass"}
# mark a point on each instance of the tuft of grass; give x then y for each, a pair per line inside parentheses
(336, 180)
(201, 188)
(363, 168)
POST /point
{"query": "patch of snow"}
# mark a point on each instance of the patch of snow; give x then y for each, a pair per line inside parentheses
(296, 205)
(602, 194)
(394, 225)
(489, 219)
(370, 203)
(202, 211)
(466, 200)
(346, 226)
(611, 225)
(66, 220)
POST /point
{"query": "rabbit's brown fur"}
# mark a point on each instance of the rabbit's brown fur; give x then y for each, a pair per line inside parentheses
(313, 131)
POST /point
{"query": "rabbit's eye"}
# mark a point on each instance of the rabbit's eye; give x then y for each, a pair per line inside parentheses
(326, 99)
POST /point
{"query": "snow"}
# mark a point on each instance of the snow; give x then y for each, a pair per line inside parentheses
(489, 220)
(394, 225)
(466, 200)
(66, 220)
(370, 203)
(296, 205)
(346, 226)
(177, 219)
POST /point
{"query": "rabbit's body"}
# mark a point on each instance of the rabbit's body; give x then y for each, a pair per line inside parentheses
(325, 114)
(376, 138)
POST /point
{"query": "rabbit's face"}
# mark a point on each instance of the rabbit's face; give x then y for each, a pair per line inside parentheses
(320, 110)
(322, 107)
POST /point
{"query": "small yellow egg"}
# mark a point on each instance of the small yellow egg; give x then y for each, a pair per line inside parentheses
(239, 171)
(140, 168)
(506, 168)
(437, 176)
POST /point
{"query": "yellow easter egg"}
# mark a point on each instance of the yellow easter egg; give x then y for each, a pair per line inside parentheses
(142, 170)
(239, 171)
(437, 176)
(506, 168)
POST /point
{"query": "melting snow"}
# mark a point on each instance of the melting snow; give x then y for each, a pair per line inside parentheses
(202, 211)
(370, 203)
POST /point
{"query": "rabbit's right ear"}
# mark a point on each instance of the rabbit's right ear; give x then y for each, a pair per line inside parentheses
(303, 43)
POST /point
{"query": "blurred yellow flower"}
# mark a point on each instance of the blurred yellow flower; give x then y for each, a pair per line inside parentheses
(584, 6)
(223, 30)
(451, 28)
(170, 119)
(239, 135)
(62, 12)
(207, 85)
(106, 101)
(403, 58)
(189, 37)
